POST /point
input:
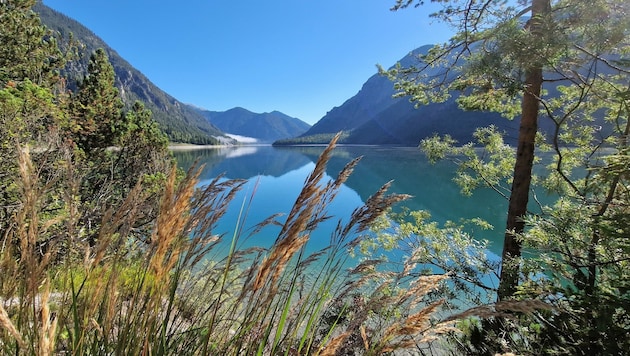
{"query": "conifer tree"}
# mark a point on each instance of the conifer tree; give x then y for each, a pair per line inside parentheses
(29, 72)
(506, 57)
(96, 108)
(566, 63)
(28, 49)
(143, 148)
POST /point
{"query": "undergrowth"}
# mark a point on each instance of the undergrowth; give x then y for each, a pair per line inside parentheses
(155, 291)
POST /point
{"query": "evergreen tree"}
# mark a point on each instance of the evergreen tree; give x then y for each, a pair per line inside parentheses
(143, 148)
(39, 119)
(496, 62)
(29, 65)
(28, 49)
(565, 63)
(96, 108)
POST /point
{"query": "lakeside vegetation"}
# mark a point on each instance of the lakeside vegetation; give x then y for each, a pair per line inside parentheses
(181, 123)
(563, 64)
(107, 247)
(320, 139)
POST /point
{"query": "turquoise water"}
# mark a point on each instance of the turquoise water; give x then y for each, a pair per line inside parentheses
(275, 177)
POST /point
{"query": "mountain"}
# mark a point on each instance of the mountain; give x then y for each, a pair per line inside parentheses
(181, 122)
(374, 97)
(374, 117)
(265, 127)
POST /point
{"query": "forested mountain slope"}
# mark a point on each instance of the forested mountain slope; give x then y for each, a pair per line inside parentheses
(181, 122)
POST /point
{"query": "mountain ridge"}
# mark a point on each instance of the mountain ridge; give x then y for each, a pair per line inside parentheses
(266, 127)
(374, 116)
(179, 121)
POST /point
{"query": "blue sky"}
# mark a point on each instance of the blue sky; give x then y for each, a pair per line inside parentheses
(299, 57)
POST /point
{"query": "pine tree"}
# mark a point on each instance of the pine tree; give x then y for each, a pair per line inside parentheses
(96, 108)
(29, 73)
(143, 148)
(566, 63)
(502, 61)
(28, 49)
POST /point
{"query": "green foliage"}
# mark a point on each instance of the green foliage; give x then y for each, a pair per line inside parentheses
(319, 139)
(584, 257)
(487, 162)
(96, 107)
(27, 116)
(142, 147)
(141, 129)
(450, 249)
(28, 50)
(27, 112)
(182, 131)
(578, 254)
(180, 122)
(57, 131)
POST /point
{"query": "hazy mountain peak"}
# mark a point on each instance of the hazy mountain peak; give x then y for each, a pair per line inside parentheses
(266, 127)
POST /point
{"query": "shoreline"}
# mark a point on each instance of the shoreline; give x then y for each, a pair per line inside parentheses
(190, 146)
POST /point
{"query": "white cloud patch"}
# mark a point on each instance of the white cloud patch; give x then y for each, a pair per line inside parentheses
(243, 139)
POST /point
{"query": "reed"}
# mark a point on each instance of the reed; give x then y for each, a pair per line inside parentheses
(165, 288)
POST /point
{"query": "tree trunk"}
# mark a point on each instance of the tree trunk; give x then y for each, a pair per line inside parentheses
(519, 195)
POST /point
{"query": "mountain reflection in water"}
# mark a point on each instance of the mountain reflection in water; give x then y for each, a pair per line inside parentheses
(278, 173)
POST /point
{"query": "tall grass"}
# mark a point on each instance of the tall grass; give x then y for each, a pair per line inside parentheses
(168, 292)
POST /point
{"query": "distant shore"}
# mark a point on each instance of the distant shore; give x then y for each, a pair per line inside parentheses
(190, 146)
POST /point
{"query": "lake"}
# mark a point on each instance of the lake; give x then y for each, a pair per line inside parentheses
(275, 176)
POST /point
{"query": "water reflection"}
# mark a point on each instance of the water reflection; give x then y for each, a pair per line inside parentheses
(284, 169)
(430, 185)
(243, 162)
